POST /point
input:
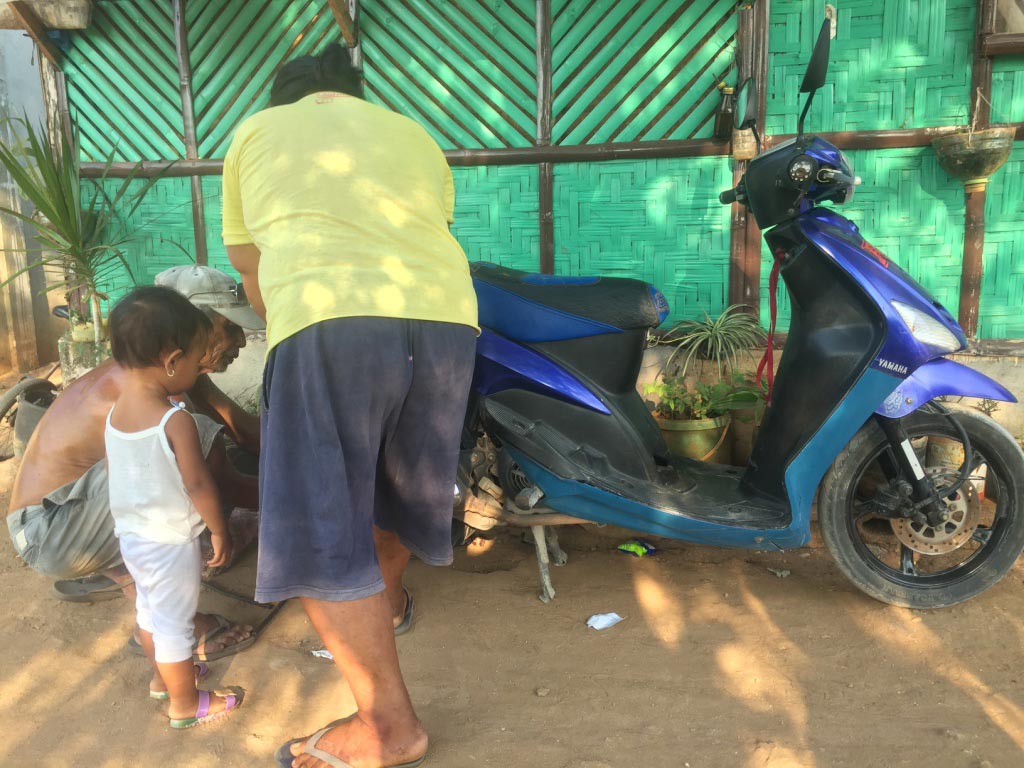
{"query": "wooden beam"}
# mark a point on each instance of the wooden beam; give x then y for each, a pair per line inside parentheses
(639, 150)
(341, 15)
(36, 31)
(189, 122)
(885, 139)
(1003, 44)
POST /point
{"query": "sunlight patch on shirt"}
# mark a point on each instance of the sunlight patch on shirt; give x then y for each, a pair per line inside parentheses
(390, 299)
(334, 162)
(397, 270)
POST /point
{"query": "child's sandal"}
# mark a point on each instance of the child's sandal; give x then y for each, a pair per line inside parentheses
(202, 670)
(231, 703)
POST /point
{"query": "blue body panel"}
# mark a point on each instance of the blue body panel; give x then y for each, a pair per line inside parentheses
(840, 239)
(590, 503)
(808, 467)
(802, 477)
(517, 318)
(937, 378)
(502, 364)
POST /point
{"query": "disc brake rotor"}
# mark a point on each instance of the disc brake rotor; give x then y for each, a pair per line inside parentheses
(964, 510)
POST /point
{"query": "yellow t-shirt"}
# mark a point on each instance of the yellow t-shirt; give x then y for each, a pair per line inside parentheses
(349, 204)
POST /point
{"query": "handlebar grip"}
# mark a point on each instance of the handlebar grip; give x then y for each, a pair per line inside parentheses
(728, 197)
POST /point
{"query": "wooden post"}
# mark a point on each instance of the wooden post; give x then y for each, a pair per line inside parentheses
(974, 245)
(974, 191)
(18, 347)
(189, 122)
(738, 228)
(745, 236)
(545, 178)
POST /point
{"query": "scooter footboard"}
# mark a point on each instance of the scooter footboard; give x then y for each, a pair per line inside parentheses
(938, 378)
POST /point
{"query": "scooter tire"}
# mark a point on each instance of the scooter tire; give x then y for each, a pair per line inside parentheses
(1006, 540)
(8, 403)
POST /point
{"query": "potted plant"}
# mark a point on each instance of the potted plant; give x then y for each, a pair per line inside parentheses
(81, 227)
(695, 413)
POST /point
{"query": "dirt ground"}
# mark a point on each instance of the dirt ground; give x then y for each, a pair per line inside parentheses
(720, 663)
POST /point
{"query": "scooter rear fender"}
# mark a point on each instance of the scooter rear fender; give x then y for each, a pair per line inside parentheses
(937, 378)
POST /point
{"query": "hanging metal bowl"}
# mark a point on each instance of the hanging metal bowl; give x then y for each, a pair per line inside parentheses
(974, 154)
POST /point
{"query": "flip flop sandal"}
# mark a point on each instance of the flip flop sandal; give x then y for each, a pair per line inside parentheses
(406, 624)
(133, 646)
(90, 589)
(203, 716)
(222, 626)
(202, 670)
(284, 755)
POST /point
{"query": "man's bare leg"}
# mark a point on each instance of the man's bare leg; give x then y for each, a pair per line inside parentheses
(393, 558)
(385, 730)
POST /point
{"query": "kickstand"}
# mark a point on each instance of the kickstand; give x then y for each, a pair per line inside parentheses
(547, 591)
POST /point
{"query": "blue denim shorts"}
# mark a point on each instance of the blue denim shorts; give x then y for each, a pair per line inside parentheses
(361, 425)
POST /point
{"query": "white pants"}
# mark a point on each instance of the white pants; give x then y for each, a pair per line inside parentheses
(167, 579)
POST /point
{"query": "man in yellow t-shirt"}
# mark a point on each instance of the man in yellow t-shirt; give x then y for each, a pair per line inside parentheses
(336, 215)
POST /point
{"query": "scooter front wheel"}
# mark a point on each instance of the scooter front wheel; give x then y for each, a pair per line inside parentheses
(911, 563)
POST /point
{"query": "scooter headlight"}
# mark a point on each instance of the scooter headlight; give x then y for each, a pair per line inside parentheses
(926, 328)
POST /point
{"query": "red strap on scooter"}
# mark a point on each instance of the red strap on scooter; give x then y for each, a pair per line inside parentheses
(767, 364)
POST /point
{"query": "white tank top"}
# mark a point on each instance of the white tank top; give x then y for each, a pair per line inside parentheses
(147, 495)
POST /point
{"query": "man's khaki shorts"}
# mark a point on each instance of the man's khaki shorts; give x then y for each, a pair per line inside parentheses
(71, 533)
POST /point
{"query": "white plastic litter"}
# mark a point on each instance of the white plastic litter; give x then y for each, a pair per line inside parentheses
(323, 654)
(603, 620)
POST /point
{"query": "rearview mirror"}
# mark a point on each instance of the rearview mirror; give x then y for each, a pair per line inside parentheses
(745, 106)
(817, 67)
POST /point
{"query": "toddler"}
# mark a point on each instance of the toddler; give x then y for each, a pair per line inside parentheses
(161, 493)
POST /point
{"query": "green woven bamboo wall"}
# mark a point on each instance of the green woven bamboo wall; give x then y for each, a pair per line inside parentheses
(1002, 289)
(621, 72)
(658, 220)
(893, 64)
(235, 47)
(122, 82)
(465, 71)
(496, 213)
(1008, 89)
(638, 71)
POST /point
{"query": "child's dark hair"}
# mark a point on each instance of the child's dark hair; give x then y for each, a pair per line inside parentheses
(331, 70)
(152, 320)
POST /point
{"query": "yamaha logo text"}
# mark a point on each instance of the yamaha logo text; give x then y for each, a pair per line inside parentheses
(888, 365)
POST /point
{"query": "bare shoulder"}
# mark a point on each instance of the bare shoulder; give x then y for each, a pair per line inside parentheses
(69, 437)
(181, 428)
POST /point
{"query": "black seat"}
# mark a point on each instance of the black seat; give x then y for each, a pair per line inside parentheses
(621, 303)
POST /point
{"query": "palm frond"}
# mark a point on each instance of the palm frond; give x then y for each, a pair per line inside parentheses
(720, 340)
(84, 234)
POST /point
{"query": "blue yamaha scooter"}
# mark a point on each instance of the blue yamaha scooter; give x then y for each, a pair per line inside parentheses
(920, 506)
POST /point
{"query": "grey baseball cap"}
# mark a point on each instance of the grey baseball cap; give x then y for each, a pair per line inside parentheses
(209, 287)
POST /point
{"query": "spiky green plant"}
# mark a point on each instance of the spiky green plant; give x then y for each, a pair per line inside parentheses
(720, 340)
(82, 236)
